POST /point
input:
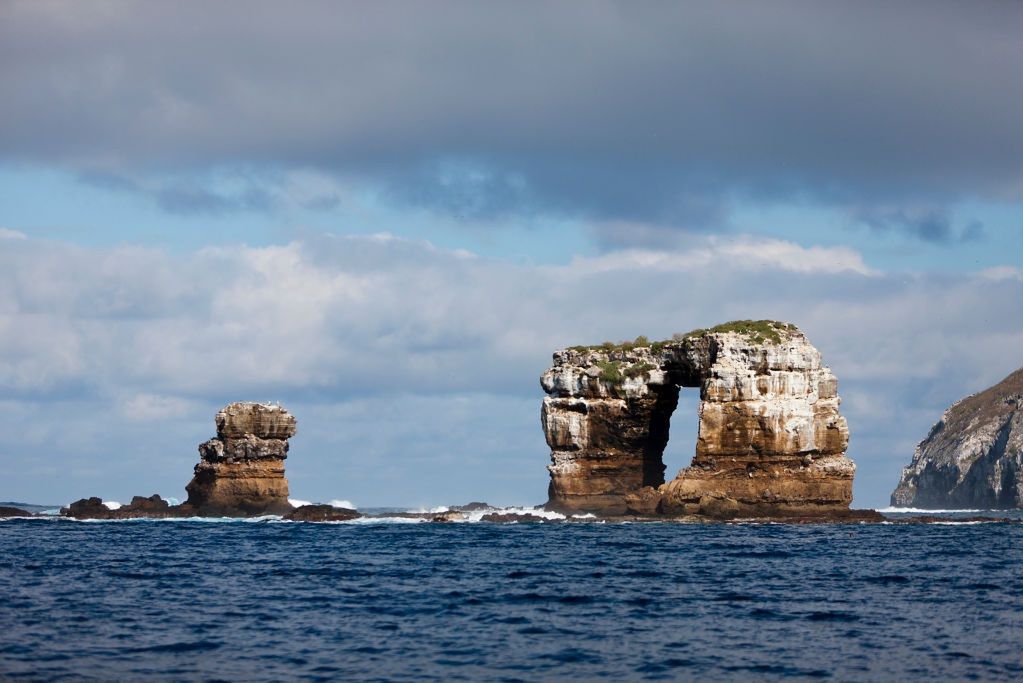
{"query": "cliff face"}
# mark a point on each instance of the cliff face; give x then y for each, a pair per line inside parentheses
(973, 457)
(241, 471)
(771, 439)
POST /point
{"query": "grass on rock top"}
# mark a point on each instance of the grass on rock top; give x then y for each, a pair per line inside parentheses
(758, 332)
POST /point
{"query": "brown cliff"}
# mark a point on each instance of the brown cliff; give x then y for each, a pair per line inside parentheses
(771, 439)
(241, 471)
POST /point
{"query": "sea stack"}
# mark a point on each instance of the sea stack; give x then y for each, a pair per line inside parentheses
(241, 471)
(771, 439)
(973, 457)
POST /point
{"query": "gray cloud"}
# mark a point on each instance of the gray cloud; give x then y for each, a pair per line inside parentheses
(406, 363)
(928, 224)
(613, 111)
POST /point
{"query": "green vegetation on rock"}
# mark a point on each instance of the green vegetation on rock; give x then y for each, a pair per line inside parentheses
(637, 369)
(610, 371)
(758, 331)
(615, 372)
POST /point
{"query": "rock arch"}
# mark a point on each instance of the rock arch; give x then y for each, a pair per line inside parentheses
(771, 439)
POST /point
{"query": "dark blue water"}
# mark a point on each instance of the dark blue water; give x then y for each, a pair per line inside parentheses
(260, 601)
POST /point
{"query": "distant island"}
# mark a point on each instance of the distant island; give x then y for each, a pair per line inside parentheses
(973, 456)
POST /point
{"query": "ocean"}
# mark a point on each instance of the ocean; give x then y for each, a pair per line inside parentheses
(263, 599)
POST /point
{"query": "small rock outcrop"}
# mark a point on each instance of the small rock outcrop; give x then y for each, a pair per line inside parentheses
(14, 512)
(771, 439)
(152, 507)
(241, 471)
(973, 457)
(321, 513)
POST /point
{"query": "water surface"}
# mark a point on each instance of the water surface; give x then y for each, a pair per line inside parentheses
(188, 600)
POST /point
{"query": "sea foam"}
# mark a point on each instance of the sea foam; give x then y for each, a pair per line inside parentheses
(895, 510)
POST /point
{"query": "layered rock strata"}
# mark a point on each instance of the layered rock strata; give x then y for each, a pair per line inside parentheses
(973, 457)
(241, 470)
(771, 439)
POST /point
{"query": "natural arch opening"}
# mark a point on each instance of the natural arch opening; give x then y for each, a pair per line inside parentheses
(659, 431)
(673, 423)
(683, 430)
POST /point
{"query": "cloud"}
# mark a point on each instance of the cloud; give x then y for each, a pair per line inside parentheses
(8, 234)
(743, 253)
(151, 407)
(406, 363)
(927, 224)
(1003, 273)
(663, 114)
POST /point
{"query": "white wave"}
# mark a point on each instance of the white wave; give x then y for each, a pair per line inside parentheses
(111, 504)
(470, 517)
(477, 515)
(338, 503)
(382, 520)
(588, 515)
(895, 510)
(172, 520)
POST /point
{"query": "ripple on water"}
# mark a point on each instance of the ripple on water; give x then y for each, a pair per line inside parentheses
(241, 601)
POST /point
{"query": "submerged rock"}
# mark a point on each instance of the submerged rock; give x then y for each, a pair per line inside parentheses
(474, 506)
(507, 517)
(973, 457)
(771, 438)
(241, 471)
(321, 513)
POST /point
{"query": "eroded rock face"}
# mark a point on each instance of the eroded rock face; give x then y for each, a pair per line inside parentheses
(771, 438)
(973, 456)
(241, 471)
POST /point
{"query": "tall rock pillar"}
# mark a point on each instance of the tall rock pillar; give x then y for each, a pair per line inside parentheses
(241, 471)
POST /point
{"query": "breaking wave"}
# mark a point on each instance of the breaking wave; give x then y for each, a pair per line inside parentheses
(897, 511)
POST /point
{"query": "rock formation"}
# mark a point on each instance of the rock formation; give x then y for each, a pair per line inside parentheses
(241, 471)
(973, 457)
(771, 439)
(321, 512)
(152, 507)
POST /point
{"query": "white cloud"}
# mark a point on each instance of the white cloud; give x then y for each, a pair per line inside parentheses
(150, 407)
(8, 234)
(1003, 273)
(744, 253)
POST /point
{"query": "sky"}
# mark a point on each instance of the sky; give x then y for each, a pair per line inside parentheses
(387, 216)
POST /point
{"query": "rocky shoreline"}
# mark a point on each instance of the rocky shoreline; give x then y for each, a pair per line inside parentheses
(94, 509)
